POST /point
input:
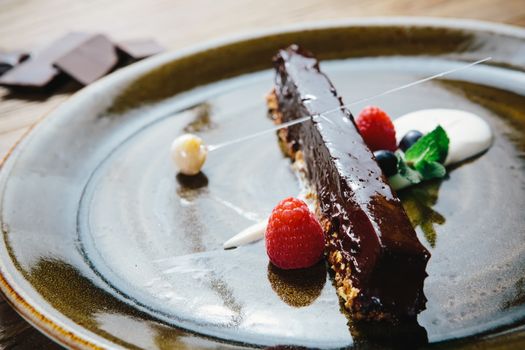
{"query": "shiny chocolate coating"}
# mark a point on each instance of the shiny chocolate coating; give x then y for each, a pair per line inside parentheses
(372, 231)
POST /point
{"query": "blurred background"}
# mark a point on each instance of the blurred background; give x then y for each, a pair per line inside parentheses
(26, 25)
(176, 23)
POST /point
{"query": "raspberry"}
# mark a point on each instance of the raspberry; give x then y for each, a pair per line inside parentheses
(377, 129)
(294, 237)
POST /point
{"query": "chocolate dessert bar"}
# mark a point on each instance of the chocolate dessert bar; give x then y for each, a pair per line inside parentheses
(377, 260)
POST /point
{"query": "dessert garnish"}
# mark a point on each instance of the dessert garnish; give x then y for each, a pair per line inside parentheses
(248, 235)
(419, 157)
(431, 139)
(468, 134)
(387, 161)
(377, 129)
(409, 139)
(188, 154)
(425, 158)
(294, 237)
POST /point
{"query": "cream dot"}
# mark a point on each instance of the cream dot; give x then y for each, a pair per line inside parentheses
(188, 153)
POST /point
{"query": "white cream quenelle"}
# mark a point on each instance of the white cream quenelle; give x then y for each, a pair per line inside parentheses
(188, 153)
(469, 135)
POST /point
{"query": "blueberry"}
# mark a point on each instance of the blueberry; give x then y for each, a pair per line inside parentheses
(409, 139)
(387, 161)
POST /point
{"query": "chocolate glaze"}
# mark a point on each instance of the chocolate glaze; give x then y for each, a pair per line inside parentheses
(363, 218)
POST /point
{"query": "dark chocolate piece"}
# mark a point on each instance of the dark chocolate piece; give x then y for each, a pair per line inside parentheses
(29, 74)
(88, 61)
(139, 48)
(60, 47)
(10, 59)
(82, 56)
(38, 71)
(378, 261)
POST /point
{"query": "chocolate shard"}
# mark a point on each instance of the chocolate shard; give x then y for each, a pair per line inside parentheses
(82, 56)
(38, 71)
(10, 59)
(139, 48)
(378, 262)
(29, 74)
(60, 47)
(88, 61)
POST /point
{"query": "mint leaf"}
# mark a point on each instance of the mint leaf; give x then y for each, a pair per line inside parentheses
(405, 171)
(431, 170)
(423, 160)
(433, 147)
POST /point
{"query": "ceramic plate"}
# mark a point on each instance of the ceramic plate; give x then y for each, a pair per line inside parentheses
(105, 246)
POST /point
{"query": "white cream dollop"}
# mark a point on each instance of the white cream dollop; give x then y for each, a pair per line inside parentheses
(188, 153)
(469, 134)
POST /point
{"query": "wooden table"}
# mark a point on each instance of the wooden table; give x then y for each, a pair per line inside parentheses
(175, 24)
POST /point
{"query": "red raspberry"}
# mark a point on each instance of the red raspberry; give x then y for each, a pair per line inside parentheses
(377, 129)
(294, 237)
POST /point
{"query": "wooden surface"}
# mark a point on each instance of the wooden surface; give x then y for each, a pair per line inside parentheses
(24, 25)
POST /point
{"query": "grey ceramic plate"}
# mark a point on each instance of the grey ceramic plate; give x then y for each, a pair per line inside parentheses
(105, 247)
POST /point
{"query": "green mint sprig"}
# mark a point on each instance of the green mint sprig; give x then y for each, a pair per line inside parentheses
(406, 171)
(431, 170)
(424, 159)
(432, 147)
(428, 154)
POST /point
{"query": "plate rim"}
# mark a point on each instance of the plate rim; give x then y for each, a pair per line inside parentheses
(69, 336)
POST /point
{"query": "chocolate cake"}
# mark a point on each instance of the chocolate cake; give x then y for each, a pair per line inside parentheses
(378, 262)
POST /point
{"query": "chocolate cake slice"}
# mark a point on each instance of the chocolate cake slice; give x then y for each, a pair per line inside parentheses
(378, 262)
